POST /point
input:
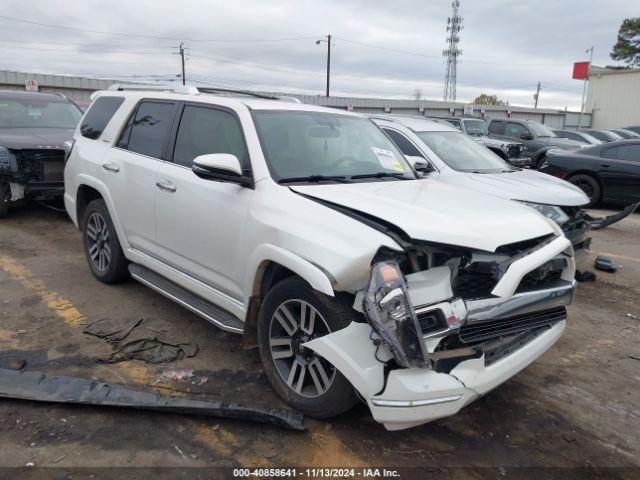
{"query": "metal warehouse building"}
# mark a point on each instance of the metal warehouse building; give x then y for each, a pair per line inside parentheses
(79, 89)
(613, 97)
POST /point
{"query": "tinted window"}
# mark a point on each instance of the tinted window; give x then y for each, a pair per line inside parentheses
(147, 132)
(629, 152)
(206, 130)
(403, 143)
(98, 116)
(514, 130)
(496, 127)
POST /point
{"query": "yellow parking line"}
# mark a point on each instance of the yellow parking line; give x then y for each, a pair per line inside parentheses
(56, 302)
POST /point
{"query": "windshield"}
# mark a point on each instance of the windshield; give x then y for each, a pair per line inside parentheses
(462, 153)
(614, 135)
(38, 113)
(541, 130)
(313, 145)
(591, 139)
(476, 127)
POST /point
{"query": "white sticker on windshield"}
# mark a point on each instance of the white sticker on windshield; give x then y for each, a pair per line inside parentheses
(387, 159)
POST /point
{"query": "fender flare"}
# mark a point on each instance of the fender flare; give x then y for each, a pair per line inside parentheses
(309, 272)
(89, 181)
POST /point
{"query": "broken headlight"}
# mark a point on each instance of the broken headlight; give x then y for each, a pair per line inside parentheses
(391, 314)
(554, 213)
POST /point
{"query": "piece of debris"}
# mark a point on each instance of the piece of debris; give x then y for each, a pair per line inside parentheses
(59, 459)
(28, 464)
(147, 339)
(178, 374)
(634, 357)
(40, 387)
(631, 315)
(131, 456)
(605, 264)
(585, 276)
(180, 452)
(216, 427)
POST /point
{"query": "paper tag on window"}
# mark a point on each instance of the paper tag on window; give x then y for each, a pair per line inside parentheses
(387, 159)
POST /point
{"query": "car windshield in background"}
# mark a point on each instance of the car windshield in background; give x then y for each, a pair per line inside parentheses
(591, 139)
(476, 127)
(38, 113)
(541, 130)
(462, 153)
(317, 146)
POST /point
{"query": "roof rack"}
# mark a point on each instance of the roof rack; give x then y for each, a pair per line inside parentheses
(190, 89)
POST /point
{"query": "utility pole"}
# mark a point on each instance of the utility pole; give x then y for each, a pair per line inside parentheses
(536, 96)
(184, 80)
(328, 40)
(584, 88)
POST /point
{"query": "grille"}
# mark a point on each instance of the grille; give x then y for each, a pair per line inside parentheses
(46, 165)
(543, 276)
(474, 284)
(478, 332)
(513, 151)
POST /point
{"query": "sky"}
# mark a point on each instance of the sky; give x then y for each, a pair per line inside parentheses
(379, 48)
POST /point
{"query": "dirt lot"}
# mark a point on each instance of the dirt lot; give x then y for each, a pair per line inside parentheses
(577, 407)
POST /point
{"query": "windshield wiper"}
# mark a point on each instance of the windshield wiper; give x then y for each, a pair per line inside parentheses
(316, 178)
(381, 175)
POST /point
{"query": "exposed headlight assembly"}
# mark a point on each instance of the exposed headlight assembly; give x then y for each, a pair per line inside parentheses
(554, 213)
(392, 316)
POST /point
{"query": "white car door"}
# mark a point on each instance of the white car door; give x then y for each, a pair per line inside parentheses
(200, 221)
(131, 167)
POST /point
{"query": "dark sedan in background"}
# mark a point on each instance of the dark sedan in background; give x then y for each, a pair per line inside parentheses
(36, 130)
(609, 172)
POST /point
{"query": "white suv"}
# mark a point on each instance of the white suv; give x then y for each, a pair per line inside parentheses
(306, 230)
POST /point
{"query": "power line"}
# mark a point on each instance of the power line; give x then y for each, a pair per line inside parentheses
(136, 35)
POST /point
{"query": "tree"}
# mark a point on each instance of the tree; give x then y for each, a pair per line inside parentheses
(485, 99)
(417, 94)
(627, 49)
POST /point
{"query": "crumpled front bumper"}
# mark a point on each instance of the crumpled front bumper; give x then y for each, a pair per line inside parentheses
(406, 397)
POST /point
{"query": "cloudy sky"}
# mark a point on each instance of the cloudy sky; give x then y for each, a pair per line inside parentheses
(380, 48)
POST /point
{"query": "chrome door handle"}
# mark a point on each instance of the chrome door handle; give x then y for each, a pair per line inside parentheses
(111, 167)
(166, 185)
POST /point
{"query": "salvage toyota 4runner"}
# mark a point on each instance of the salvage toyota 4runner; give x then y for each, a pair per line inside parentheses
(306, 230)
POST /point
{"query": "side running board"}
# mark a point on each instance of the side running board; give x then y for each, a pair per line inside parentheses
(198, 305)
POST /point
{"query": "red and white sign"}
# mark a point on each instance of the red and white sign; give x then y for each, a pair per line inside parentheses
(581, 70)
(31, 85)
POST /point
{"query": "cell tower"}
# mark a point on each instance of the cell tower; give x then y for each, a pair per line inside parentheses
(454, 25)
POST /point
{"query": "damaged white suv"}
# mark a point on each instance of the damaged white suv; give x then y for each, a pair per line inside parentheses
(306, 230)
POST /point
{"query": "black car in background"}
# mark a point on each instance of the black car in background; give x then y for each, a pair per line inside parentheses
(626, 134)
(36, 130)
(633, 128)
(609, 172)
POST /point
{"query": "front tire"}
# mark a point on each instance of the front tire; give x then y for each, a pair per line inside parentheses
(589, 185)
(101, 245)
(291, 314)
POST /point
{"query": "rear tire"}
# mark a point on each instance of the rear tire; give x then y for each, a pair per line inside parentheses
(589, 185)
(292, 313)
(101, 245)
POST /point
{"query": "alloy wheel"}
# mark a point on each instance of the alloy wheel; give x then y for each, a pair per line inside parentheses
(98, 243)
(585, 185)
(293, 323)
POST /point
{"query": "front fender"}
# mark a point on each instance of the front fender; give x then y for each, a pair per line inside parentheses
(267, 252)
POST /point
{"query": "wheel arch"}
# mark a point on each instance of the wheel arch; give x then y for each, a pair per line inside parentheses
(269, 265)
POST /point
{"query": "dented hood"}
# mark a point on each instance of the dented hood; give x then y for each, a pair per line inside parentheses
(529, 186)
(436, 212)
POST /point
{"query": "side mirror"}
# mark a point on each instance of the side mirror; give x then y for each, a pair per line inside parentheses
(420, 165)
(526, 136)
(224, 167)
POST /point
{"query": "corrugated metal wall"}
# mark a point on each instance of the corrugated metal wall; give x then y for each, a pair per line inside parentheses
(614, 98)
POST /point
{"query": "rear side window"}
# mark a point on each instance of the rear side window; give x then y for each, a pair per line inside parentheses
(147, 131)
(208, 130)
(497, 127)
(403, 143)
(98, 116)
